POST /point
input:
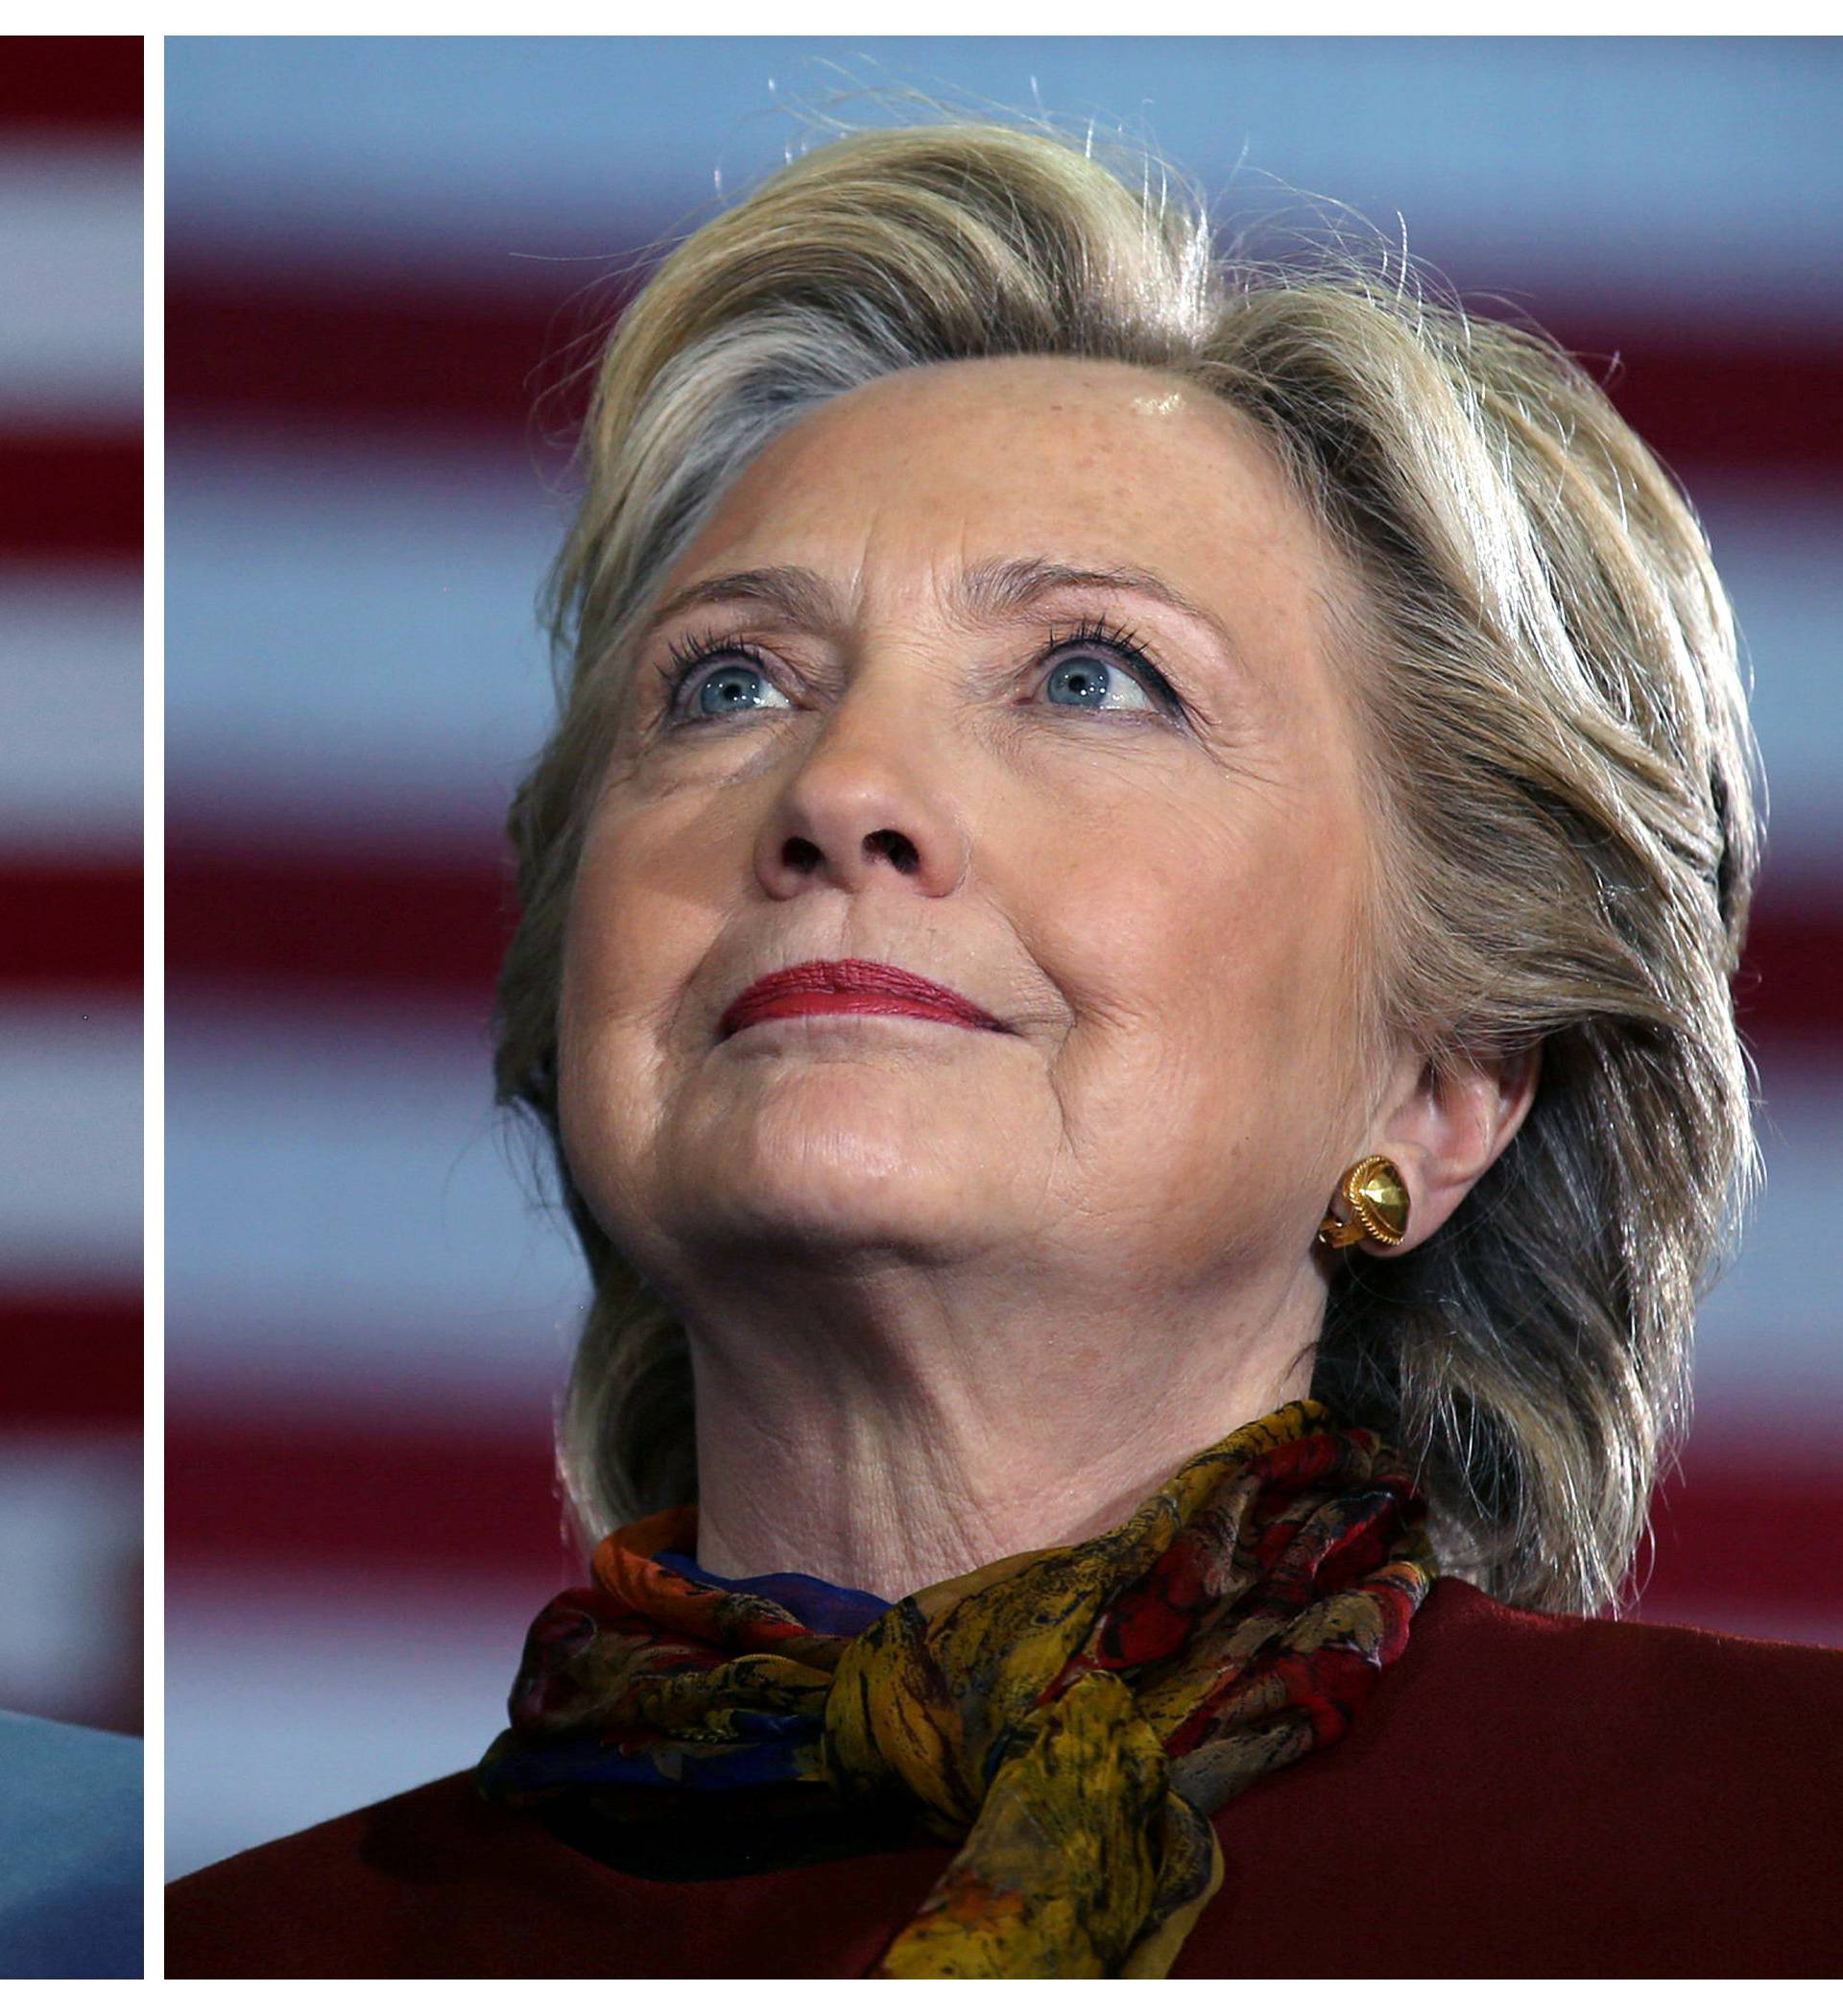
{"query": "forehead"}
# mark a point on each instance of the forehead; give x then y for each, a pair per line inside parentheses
(1088, 463)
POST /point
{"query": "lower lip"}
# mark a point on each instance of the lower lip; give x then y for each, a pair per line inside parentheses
(819, 1002)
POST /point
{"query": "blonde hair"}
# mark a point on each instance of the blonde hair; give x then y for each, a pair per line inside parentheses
(1567, 830)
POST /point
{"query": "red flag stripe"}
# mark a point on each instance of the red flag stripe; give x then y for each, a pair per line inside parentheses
(438, 357)
(1788, 983)
(381, 922)
(297, 1495)
(365, 354)
(68, 926)
(72, 1358)
(85, 83)
(70, 497)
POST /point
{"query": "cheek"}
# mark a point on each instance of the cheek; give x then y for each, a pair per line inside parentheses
(605, 943)
(597, 975)
(1251, 910)
(1309, 904)
(624, 960)
(641, 907)
(1217, 953)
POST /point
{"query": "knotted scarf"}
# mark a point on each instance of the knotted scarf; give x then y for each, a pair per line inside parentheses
(1070, 1716)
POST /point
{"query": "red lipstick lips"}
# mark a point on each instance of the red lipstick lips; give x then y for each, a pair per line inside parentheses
(851, 987)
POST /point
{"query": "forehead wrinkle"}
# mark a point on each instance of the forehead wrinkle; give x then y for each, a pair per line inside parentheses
(1000, 587)
(797, 594)
(986, 592)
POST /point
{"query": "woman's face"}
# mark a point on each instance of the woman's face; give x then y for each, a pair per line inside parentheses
(908, 704)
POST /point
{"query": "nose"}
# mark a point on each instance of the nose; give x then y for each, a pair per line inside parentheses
(869, 800)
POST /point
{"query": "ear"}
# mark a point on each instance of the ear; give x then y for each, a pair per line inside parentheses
(1444, 1129)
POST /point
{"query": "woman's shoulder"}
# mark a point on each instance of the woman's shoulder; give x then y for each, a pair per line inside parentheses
(1464, 1605)
(437, 1883)
(1463, 1628)
(1636, 1699)
(1559, 1796)
(306, 1904)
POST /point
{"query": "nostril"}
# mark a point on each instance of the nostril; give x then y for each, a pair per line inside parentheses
(801, 853)
(896, 846)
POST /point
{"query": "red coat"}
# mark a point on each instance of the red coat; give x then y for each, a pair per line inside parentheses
(1522, 1795)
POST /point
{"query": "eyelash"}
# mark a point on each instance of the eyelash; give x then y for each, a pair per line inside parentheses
(687, 657)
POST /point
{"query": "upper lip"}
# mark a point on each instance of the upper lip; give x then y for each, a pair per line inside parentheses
(852, 976)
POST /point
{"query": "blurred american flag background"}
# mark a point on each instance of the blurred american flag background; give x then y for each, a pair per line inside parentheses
(70, 878)
(377, 247)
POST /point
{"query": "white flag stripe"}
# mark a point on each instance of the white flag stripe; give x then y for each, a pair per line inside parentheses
(70, 1524)
(70, 1135)
(360, 648)
(398, 1242)
(70, 711)
(70, 251)
(1636, 168)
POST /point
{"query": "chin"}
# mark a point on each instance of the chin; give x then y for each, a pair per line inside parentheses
(833, 1190)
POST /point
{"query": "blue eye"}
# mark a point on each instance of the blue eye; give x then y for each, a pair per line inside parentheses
(710, 678)
(1105, 671)
(1090, 681)
(732, 690)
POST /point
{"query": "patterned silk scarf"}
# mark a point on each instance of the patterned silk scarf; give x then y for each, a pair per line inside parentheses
(1070, 1718)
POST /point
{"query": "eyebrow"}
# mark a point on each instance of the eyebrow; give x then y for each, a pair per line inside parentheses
(988, 592)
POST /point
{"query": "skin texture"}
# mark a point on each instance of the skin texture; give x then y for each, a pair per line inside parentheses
(954, 1294)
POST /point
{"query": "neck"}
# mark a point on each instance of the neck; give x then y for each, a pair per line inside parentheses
(889, 1435)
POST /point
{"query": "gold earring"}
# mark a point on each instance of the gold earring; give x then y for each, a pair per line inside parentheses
(1378, 1199)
